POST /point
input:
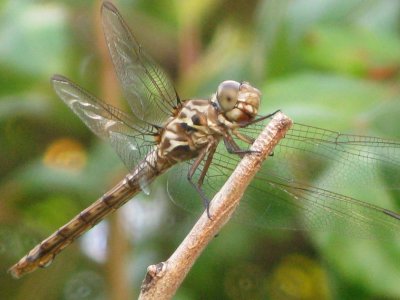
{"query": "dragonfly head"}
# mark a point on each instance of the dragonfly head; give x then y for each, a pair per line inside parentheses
(238, 101)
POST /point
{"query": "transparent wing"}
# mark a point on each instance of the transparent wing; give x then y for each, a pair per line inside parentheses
(308, 183)
(129, 136)
(146, 87)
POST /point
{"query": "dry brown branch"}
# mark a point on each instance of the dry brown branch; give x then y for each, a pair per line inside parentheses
(162, 280)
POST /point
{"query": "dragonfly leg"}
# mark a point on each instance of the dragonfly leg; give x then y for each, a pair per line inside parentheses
(232, 147)
(243, 137)
(244, 124)
(246, 139)
(210, 150)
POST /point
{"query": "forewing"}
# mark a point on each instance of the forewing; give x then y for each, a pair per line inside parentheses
(146, 87)
(302, 185)
(129, 136)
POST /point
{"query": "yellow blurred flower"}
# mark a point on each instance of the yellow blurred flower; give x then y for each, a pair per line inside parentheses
(66, 154)
(298, 277)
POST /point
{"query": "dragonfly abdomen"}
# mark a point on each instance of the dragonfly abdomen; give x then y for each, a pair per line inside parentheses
(44, 253)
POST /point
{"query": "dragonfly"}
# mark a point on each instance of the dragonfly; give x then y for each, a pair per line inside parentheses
(303, 185)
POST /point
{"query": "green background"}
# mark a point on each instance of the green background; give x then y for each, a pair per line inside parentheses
(333, 64)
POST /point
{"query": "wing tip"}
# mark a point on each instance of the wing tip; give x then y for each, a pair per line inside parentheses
(109, 6)
(59, 78)
(392, 214)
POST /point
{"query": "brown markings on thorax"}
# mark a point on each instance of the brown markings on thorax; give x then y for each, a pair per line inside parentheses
(190, 131)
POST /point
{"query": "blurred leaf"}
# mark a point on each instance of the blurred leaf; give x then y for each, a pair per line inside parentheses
(28, 105)
(325, 100)
(350, 50)
(193, 12)
(32, 37)
(87, 181)
(224, 59)
(371, 264)
(50, 212)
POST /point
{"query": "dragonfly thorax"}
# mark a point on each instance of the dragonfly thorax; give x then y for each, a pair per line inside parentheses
(193, 128)
(201, 122)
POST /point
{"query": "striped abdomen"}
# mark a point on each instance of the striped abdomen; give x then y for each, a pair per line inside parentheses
(44, 253)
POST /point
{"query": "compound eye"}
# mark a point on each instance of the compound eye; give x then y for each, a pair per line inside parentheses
(227, 94)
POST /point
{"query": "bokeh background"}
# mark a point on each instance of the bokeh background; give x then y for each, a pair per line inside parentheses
(333, 64)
